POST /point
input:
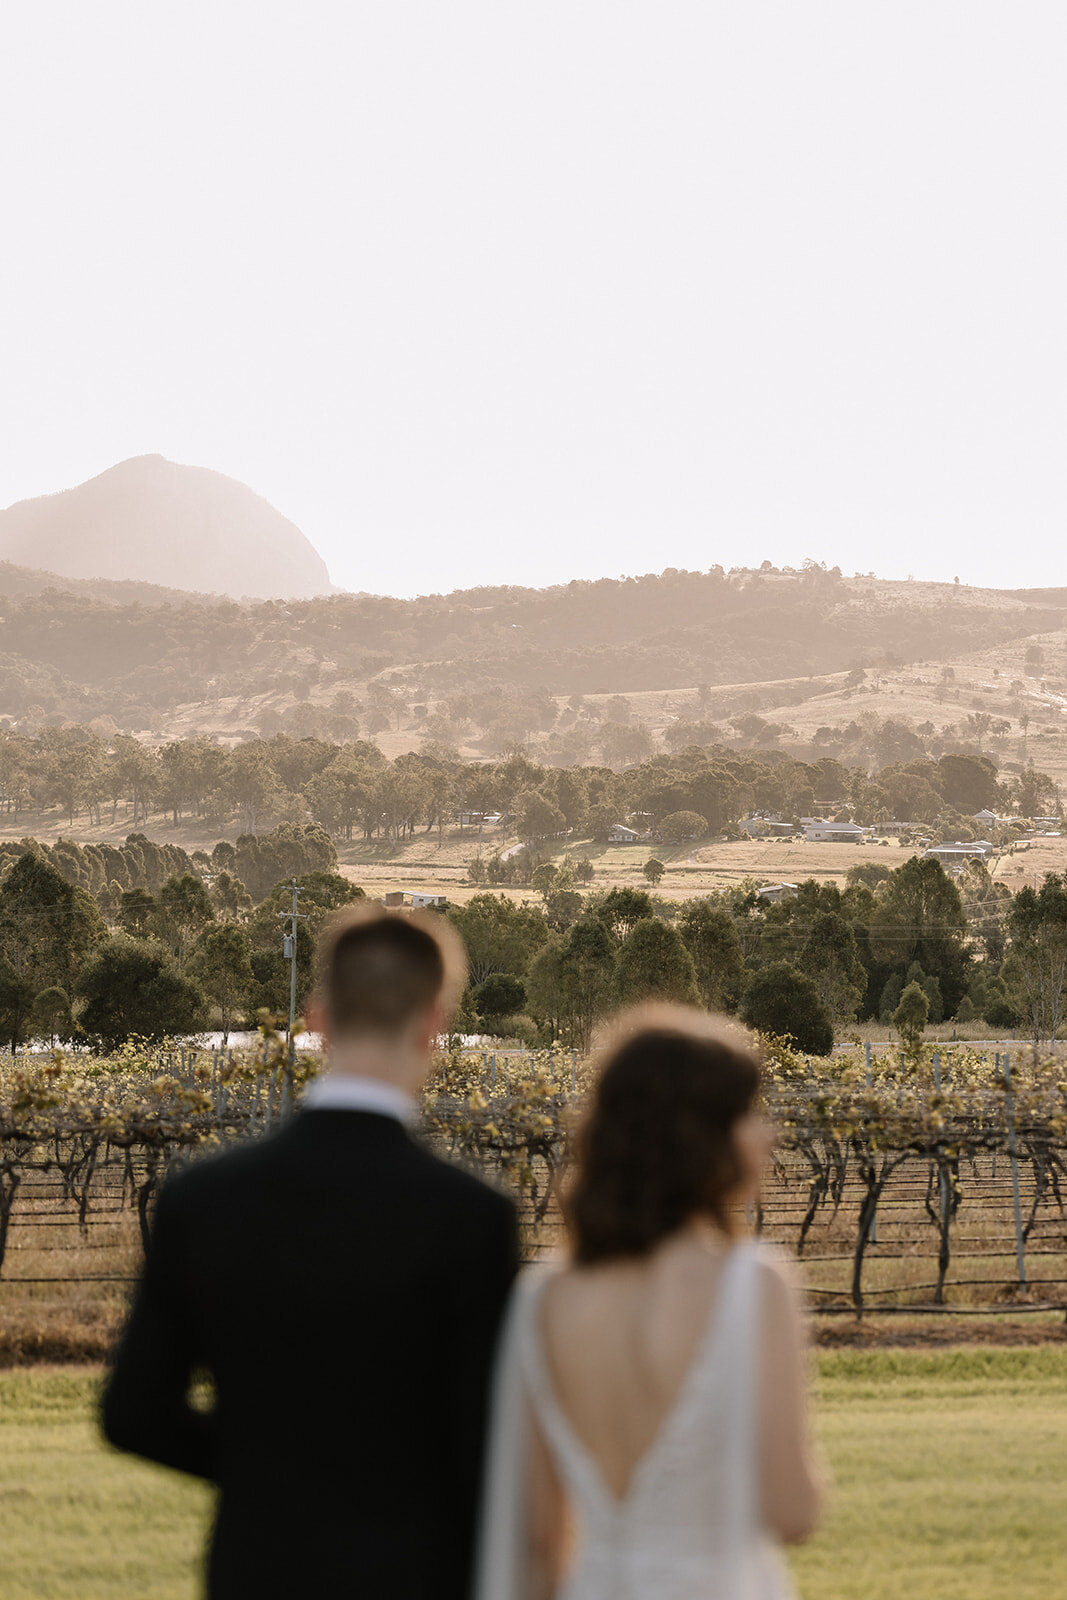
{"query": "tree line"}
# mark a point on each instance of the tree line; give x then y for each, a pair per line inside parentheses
(95, 959)
(351, 790)
(907, 947)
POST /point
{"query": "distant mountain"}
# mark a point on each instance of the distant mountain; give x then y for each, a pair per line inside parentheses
(153, 521)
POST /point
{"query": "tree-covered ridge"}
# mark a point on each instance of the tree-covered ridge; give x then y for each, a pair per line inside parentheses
(84, 652)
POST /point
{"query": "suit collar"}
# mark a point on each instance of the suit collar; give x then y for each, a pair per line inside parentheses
(335, 1091)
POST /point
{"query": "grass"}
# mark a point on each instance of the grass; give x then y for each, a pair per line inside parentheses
(77, 1521)
(950, 1472)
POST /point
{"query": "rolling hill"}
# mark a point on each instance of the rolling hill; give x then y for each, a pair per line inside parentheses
(483, 668)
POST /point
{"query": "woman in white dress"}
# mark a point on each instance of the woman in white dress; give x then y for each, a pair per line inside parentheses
(649, 1436)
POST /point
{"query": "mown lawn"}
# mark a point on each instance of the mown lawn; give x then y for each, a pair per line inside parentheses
(950, 1476)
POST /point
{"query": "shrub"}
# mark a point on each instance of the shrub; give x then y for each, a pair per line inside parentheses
(500, 995)
(781, 1000)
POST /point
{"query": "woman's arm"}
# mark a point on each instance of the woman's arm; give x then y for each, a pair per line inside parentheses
(546, 1516)
(791, 1481)
(521, 1534)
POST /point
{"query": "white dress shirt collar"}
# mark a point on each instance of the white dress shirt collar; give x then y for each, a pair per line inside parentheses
(337, 1091)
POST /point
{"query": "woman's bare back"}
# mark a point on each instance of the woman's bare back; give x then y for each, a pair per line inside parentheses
(620, 1341)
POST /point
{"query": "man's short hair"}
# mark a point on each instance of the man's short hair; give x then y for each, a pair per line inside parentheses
(378, 970)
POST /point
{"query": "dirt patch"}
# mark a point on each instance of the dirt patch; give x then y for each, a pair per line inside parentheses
(54, 1347)
(902, 1334)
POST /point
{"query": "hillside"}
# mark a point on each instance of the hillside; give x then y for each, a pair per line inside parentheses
(1009, 698)
(152, 520)
(483, 665)
(18, 583)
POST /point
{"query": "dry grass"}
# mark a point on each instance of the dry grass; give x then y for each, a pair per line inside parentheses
(76, 1319)
(440, 864)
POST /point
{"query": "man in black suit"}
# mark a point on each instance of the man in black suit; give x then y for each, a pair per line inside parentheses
(342, 1288)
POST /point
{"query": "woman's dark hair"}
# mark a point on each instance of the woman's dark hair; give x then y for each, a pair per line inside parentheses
(655, 1148)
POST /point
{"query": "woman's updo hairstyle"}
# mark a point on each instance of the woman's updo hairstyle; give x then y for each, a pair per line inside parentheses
(655, 1147)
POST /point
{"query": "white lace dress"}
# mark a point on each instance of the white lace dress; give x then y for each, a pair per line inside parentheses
(688, 1527)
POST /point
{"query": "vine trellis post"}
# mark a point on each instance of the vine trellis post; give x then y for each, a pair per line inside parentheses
(944, 1212)
(1020, 1243)
(10, 1178)
(870, 1080)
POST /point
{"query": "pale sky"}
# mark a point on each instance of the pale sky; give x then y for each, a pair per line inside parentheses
(501, 292)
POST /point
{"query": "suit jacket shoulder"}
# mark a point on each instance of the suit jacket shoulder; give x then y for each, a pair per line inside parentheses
(204, 1183)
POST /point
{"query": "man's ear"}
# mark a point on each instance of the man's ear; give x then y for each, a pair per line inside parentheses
(434, 1023)
(315, 1018)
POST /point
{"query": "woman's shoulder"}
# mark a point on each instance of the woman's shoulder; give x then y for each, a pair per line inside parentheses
(536, 1275)
(557, 1296)
(532, 1284)
(776, 1276)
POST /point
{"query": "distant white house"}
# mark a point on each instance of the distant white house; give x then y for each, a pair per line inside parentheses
(479, 819)
(761, 827)
(619, 833)
(987, 817)
(835, 833)
(773, 892)
(415, 898)
(957, 855)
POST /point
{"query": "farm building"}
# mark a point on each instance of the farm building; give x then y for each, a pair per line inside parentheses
(766, 827)
(773, 892)
(835, 833)
(957, 855)
(619, 833)
(415, 898)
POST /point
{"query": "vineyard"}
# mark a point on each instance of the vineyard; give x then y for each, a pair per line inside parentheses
(902, 1185)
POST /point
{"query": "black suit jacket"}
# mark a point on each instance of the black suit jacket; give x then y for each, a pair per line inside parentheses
(343, 1287)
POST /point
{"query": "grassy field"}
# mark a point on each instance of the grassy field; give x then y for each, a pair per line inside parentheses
(78, 1521)
(440, 865)
(950, 1474)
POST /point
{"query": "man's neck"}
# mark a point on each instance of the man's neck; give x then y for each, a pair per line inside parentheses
(398, 1063)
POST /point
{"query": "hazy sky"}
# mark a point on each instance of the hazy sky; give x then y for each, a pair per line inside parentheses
(501, 292)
